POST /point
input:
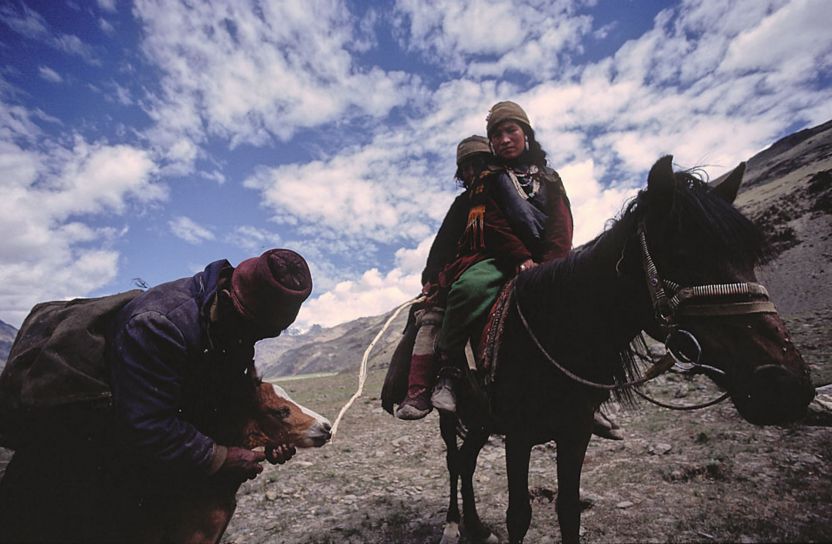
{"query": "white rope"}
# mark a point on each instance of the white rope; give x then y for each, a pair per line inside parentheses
(362, 372)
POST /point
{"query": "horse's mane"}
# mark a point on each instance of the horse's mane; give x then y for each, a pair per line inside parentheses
(573, 284)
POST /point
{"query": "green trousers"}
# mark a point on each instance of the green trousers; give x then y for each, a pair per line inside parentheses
(469, 300)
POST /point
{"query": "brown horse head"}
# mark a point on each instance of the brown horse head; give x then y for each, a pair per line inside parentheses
(278, 420)
(699, 239)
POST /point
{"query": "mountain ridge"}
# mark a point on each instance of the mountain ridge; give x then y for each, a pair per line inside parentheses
(7, 335)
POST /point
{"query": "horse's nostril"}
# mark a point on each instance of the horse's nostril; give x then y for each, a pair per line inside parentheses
(327, 427)
(779, 393)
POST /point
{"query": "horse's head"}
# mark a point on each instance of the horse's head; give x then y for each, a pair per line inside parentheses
(697, 238)
(278, 420)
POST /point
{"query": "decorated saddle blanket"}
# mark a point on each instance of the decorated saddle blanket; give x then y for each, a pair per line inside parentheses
(492, 334)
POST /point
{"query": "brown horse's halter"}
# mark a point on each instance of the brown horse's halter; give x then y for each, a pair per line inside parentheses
(683, 350)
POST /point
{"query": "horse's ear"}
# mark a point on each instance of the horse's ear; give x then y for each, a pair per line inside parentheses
(730, 186)
(660, 180)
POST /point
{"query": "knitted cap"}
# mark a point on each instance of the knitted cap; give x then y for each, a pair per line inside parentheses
(505, 111)
(269, 289)
(471, 146)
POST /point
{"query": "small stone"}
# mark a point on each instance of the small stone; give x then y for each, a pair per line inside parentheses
(271, 495)
(659, 449)
(624, 505)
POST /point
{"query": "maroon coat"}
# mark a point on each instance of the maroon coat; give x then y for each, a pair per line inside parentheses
(503, 226)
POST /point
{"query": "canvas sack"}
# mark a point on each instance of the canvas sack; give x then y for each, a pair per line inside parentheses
(57, 359)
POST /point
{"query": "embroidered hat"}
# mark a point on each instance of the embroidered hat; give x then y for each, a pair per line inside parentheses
(269, 289)
(471, 146)
(505, 111)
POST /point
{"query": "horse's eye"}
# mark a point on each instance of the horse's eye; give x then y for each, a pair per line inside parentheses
(280, 413)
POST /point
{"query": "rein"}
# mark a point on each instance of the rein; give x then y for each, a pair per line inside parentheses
(659, 367)
(362, 372)
(666, 310)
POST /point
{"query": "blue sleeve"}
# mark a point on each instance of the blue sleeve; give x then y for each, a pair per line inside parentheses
(517, 211)
(147, 379)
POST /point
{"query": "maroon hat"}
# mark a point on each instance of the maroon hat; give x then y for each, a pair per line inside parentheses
(269, 289)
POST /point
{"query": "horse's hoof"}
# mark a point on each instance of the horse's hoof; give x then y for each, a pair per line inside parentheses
(451, 533)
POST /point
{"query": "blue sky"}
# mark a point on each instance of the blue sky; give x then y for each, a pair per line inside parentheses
(145, 139)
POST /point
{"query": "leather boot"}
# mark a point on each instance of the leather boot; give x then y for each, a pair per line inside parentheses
(444, 397)
(416, 404)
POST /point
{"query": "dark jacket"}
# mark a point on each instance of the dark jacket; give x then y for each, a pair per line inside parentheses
(444, 247)
(167, 376)
(503, 225)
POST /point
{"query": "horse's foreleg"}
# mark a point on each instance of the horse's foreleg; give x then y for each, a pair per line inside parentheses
(447, 425)
(203, 516)
(571, 454)
(519, 513)
(474, 528)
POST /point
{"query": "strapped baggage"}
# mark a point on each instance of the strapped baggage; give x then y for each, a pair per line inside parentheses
(57, 359)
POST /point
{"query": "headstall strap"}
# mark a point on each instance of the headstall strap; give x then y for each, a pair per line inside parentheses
(668, 308)
(661, 307)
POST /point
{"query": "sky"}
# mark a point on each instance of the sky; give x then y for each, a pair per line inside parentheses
(140, 141)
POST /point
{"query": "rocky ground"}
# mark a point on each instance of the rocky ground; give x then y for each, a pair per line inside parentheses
(703, 476)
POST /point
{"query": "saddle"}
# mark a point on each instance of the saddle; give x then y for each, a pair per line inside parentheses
(474, 376)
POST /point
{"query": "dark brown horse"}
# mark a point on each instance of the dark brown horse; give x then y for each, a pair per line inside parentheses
(678, 264)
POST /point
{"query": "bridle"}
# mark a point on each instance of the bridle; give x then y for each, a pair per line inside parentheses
(670, 301)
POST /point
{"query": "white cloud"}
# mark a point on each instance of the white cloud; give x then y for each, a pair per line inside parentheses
(254, 240)
(412, 261)
(373, 293)
(49, 74)
(190, 231)
(33, 26)
(250, 73)
(592, 203)
(491, 38)
(24, 21)
(379, 192)
(51, 197)
(106, 26)
(107, 5)
(17, 124)
(799, 26)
